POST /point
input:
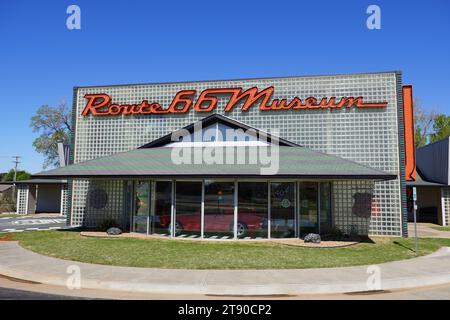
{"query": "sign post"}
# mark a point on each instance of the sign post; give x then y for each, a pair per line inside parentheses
(416, 240)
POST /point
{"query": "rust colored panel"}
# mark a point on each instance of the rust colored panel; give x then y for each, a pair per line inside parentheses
(408, 121)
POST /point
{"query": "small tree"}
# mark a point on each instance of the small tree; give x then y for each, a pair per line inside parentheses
(441, 128)
(423, 122)
(21, 175)
(54, 126)
(8, 201)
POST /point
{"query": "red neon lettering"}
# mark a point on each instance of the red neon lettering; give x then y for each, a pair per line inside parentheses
(328, 103)
(210, 100)
(95, 103)
(179, 99)
(251, 96)
(311, 103)
(279, 105)
(296, 103)
(100, 104)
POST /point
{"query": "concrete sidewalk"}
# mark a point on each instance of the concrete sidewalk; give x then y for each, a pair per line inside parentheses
(20, 263)
(425, 230)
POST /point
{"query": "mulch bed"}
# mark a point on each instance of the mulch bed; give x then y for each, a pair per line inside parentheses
(6, 237)
(288, 242)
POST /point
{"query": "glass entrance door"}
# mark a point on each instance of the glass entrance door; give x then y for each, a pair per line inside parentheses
(315, 208)
(308, 222)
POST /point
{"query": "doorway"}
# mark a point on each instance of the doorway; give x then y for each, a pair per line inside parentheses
(314, 208)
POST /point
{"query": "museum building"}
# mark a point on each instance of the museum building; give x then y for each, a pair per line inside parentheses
(243, 159)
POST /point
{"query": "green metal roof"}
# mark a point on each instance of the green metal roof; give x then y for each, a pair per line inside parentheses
(294, 162)
(36, 181)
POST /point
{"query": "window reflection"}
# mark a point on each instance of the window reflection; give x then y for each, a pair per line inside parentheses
(219, 209)
(160, 220)
(188, 209)
(141, 206)
(152, 210)
(282, 209)
(252, 210)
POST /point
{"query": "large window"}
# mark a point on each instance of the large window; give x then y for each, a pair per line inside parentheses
(219, 210)
(160, 220)
(282, 210)
(141, 206)
(252, 210)
(258, 214)
(188, 216)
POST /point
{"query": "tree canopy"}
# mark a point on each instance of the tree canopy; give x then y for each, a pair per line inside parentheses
(441, 128)
(429, 125)
(21, 175)
(423, 123)
(54, 126)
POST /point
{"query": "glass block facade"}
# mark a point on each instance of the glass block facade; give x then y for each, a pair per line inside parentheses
(445, 197)
(64, 200)
(372, 137)
(22, 199)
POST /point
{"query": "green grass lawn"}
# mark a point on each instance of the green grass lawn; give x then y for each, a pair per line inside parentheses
(14, 215)
(215, 255)
(441, 228)
(8, 215)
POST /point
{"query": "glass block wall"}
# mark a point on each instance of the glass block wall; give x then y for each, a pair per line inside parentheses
(22, 199)
(64, 193)
(104, 200)
(351, 206)
(445, 196)
(367, 136)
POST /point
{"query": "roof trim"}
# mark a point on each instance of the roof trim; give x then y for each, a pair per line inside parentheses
(421, 182)
(217, 118)
(224, 176)
(121, 160)
(235, 79)
(37, 180)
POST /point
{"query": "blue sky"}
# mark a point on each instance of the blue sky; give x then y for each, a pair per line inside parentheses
(153, 41)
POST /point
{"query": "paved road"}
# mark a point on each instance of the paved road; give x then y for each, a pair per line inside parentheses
(14, 294)
(12, 290)
(47, 222)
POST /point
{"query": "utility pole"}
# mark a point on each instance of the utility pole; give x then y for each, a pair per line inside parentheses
(416, 240)
(16, 163)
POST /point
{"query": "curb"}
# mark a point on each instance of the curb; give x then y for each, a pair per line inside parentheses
(233, 290)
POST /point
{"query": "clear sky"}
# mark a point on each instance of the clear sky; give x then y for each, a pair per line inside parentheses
(154, 41)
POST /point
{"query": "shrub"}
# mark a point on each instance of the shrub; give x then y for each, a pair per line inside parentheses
(108, 223)
(334, 234)
(7, 204)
